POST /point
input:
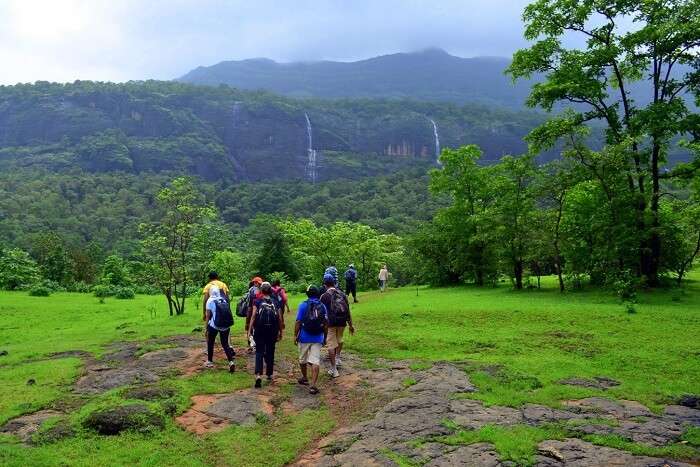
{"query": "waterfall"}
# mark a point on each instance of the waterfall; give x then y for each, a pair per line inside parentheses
(310, 170)
(437, 140)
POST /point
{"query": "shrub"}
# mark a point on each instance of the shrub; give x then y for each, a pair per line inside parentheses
(40, 291)
(103, 291)
(146, 290)
(80, 287)
(124, 293)
(53, 286)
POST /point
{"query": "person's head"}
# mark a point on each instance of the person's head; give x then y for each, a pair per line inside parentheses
(266, 288)
(313, 292)
(257, 281)
(213, 276)
(276, 283)
(383, 266)
(214, 292)
(351, 266)
(328, 280)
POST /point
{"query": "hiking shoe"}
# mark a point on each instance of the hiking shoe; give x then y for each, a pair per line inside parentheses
(208, 364)
(313, 390)
(333, 373)
(338, 362)
(269, 378)
(258, 383)
(303, 381)
(231, 367)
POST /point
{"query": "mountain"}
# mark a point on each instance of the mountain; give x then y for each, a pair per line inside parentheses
(430, 75)
(220, 133)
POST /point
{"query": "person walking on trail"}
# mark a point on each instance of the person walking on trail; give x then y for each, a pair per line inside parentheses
(338, 308)
(279, 295)
(214, 281)
(351, 282)
(310, 331)
(383, 277)
(253, 295)
(219, 321)
(266, 330)
(331, 271)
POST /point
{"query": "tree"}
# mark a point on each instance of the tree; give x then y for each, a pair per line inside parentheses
(167, 243)
(682, 236)
(513, 210)
(658, 55)
(17, 269)
(50, 252)
(115, 272)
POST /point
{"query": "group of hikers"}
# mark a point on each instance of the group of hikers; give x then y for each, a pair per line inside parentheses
(321, 321)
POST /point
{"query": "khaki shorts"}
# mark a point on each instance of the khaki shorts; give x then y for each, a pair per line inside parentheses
(335, 337)
(310, 353)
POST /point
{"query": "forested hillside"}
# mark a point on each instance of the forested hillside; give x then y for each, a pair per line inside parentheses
(223, 133)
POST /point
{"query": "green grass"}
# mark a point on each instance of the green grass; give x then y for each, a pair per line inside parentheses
(516, 346)
(516, 443)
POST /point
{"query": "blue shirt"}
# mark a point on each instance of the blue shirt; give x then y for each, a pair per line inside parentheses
(305, 337)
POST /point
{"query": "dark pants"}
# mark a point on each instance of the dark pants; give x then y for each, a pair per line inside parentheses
(351, 289)
(264, 350)
(211, 338)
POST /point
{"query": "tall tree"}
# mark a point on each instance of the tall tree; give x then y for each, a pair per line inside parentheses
(169, 242)
(657, 52)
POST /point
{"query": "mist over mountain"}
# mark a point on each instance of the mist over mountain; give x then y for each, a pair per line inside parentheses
(431, 74)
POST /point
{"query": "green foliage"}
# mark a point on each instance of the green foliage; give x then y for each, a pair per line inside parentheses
(103, 291)
(17, 269)
(124, 293)
(115, 272)
(40, 291)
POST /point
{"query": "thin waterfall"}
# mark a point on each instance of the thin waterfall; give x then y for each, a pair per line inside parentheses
(437, 140)
(310, 170)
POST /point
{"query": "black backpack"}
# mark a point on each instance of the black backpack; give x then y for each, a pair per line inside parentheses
(243, 306)
(222, 317)
(339, 311)
(313, 318)
(267, 320)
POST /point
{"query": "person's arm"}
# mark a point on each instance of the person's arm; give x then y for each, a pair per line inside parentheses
(325, 330)
(297, 330)
(204, 305)
(280, 325)
(350, 326)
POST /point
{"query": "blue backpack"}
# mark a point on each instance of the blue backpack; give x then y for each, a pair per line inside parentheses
(350, 275)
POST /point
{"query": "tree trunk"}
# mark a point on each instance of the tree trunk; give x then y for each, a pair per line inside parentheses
(168, 296)
(518, 272)
(479, 276)
(655, 240)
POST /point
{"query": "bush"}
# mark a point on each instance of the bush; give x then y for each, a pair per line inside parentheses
(53, 286)
(146, 290)
(40, 291)
(124, 293)
(79, 287)
(103, 291)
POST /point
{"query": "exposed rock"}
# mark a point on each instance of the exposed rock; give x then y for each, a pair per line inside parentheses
(31, 382)
(442, 378)
(3, 353)
(618, 409)
(598, 382)
(690, 400)
(112, 421)
(149, 393)
(575, 453)
(164, 359)
(25, 426)
(474, 455)
(104, 380)
(683, 414)
(473, 414)
(240, 408)
(537, 414)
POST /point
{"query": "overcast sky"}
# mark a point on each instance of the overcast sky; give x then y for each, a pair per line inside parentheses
(119, 40)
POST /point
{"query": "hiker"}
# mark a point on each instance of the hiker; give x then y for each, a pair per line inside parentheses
(310, 331)
(213, 282)
(351, 282)
(266, 330)
(338, 308)
(330, 271)
(383, 277)
(253, 295)
(279, 295)
(219, 321)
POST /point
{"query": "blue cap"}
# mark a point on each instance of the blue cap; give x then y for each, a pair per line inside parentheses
(328, 279)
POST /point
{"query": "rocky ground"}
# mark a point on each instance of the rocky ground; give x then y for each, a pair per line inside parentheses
(381, 413)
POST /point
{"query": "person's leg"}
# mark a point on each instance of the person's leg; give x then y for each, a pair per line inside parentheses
(211, 337)
(259, 355)
(332, 343)
(339, 340)
(270, 357)
(314, 359)
(230, 353)
(303, 360)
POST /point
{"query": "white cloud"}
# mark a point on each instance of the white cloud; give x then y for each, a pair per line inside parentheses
(64, 40)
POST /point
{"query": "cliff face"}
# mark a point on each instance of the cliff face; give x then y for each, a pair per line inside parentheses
(223, 133)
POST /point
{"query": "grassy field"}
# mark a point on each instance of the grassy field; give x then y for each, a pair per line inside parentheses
(518, 345)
